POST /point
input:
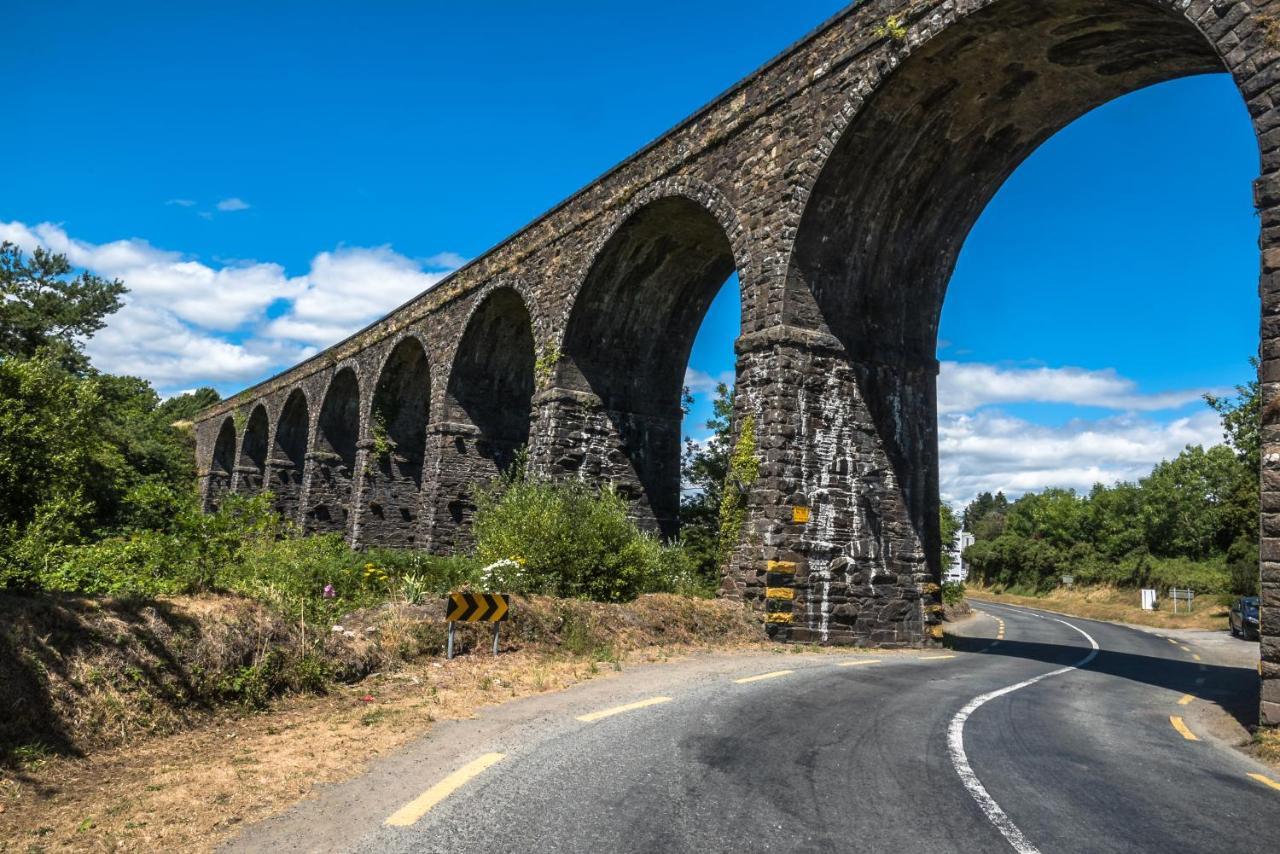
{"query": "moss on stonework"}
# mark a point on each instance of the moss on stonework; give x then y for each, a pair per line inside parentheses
(744, 470)
(544, 367)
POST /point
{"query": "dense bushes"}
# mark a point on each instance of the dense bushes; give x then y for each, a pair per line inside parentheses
(243, 548)
(532, 537)
(569, 540)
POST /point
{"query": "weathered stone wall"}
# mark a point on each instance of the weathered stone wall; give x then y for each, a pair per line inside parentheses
(840, 182)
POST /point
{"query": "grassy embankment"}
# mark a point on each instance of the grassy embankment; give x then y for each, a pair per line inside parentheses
(166, 724)
(1114, 604)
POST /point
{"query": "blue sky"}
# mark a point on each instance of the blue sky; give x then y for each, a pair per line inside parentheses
(250, 169)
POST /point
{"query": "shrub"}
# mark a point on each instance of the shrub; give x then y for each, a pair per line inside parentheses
(953, 592)
(571, 541)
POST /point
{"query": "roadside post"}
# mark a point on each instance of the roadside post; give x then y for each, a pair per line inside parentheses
(476, 608)
(1188, 595)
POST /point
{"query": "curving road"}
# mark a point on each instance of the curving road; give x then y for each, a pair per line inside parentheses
(1022, 738)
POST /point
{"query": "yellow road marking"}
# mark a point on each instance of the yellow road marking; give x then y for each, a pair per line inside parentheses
(1181, 727)
(1266, 781)
(1172, 641)
(411, 812)
(1186, 700)
(1184, 647)
(774, 675)
(935, 657)
(856, 663)
(617, 710)
(1197, 658)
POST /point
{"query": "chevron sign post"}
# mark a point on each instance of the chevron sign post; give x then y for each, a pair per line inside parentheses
(476, 608)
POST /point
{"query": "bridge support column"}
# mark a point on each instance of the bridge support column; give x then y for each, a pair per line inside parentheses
(464, 460)
(284, 480)
(577, 437)
(328, 493)
(390, 504)
(840, 539)
(247, 480)
(213, 485)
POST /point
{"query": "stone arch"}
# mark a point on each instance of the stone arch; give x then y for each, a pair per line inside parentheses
(986, 86)
(889, 197)
(222, 463)
(693, 190)
(252, 465)
(485, 420)
(626, 346)
(289, 453)
(399, 412)
(332, 462)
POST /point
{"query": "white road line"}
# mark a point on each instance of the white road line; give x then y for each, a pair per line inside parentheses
(955, 745)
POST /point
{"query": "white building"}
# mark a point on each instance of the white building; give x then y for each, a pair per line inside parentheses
(959, 570)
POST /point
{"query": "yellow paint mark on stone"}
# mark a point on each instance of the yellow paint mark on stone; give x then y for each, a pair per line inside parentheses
(780, 593)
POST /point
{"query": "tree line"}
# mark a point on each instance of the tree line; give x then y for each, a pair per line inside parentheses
(1192, 522)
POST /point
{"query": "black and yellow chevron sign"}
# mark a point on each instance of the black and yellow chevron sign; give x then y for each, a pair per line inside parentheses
(476, 607)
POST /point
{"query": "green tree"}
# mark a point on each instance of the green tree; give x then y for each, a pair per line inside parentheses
(1242, 419)
(704, 468)
(43, 307)
(985, 516)
(949, 525)
(185, 407)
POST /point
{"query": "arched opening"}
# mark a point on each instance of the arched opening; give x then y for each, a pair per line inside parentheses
(397, 445)
(222, 464)
(333, 456)
(253, 453)
(627, 346)
(487, 409)
(876, 246)
(289, 454)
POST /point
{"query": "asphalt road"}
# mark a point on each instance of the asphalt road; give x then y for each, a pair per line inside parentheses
(1025, 738)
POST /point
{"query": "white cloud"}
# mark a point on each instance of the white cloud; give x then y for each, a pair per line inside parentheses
(182, 203)
(700, 382)
(965, 386)
(990, 451)
(347, 288)
(444, 261)
(984, 449)
(232, 204)
(187, 323)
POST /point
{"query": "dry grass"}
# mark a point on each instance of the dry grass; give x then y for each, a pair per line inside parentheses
(1266, 746)
(1107, 603)
(189, 789)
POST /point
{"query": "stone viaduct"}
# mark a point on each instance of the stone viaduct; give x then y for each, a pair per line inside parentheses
(839, 181)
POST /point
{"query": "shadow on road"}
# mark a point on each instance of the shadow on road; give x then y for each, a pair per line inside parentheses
(1234, 689)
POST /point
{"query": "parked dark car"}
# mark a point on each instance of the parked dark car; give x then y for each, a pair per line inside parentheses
(1243, 618)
